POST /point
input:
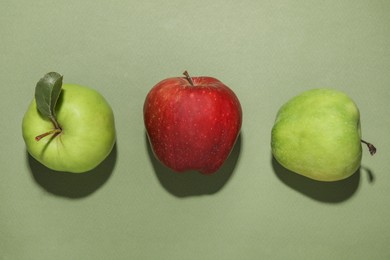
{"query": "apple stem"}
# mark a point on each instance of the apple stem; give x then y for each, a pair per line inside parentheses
(371, 147)
(55, 122)
(57, 129)
(54, 131)
(185, 73)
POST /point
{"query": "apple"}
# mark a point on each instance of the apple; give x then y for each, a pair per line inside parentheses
(317, 134)
(68, 127)
(192, 123)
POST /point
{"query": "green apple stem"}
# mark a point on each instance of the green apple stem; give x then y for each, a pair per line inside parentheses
(55, 131)
(185, 73)
(55, 122)
(371, 147)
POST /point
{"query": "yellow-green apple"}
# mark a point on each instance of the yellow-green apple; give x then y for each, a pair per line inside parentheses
(192, 122)
(68, 127)
(317, 134)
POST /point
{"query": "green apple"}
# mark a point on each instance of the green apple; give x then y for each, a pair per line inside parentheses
(317, 134)
(68, 127)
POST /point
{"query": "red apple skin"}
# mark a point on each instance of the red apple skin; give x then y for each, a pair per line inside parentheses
(192, 125)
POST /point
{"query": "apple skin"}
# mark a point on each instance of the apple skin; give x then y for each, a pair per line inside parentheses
(88, 131)
(317, 134)
(192, 127)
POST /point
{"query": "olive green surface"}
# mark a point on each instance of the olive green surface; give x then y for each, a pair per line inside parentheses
(131, 207)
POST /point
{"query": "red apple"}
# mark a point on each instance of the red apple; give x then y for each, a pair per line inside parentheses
(192, 122)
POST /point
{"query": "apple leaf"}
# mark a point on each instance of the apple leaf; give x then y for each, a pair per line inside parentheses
(47, 91)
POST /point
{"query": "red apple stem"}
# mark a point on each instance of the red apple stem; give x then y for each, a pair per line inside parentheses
(371, 147)
(51, 132)
(185, 73)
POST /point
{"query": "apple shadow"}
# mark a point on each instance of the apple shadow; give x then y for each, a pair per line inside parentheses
(72, 185)
(330, 192)
(193, 183)
(370, 174)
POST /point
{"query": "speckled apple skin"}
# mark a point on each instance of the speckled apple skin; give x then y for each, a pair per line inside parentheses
(317, 134)
(192, 127)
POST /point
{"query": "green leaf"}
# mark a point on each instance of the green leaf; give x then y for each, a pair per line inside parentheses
(47, 91)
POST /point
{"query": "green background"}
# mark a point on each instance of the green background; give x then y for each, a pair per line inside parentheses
(131, 207)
